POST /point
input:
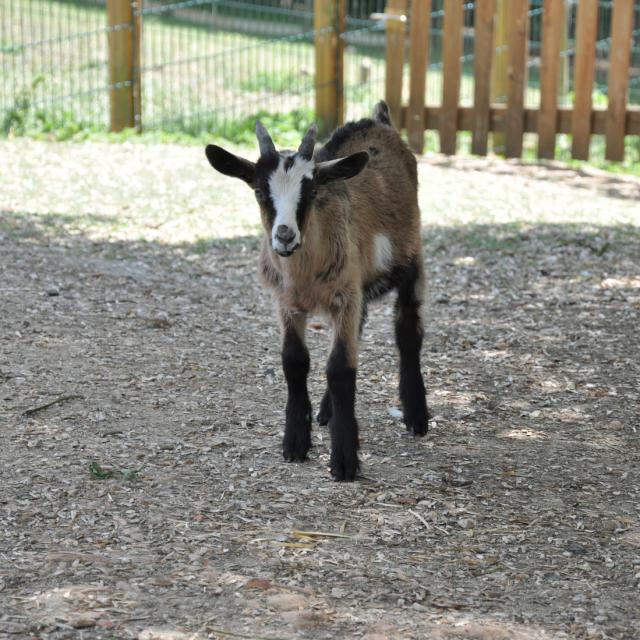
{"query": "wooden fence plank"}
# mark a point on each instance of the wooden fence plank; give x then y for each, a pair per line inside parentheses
(452, 50)
(395, 43)
(586, 33)
(120, 39)
(483, 53)
(619, 63)
(340, 26)
(517, 37)
(419, 60)
(499, 66)
(329, 53)
(553, 27)
(138, 6)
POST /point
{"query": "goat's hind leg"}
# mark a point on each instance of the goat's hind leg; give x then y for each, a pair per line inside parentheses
(408, 326)
(295, 362)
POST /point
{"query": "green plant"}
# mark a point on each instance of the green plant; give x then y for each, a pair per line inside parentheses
(98, 472)
(276, 81)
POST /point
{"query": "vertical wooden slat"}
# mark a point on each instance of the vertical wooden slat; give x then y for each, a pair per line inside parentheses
(420, 23)
(137, 64)
(120, 37)
(553, 26)
(340, 27)
(517, 38)
(395, 42)
(619, 63)
(483, 53)
(586, 33)
(499, 66)
(452, 50)
(328, 22)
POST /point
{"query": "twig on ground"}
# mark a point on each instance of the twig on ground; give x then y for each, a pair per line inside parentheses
(424, 522)
(42, 407)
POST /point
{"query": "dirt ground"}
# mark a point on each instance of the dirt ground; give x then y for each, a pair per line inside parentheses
(143, 494)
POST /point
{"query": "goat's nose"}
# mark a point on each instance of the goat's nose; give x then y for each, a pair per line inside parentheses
(285, 234)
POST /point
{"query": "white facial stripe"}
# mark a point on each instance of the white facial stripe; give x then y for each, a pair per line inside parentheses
(285, 189)
(382, 252)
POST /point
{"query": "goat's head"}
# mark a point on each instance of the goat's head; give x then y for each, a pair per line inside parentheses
(285, 183)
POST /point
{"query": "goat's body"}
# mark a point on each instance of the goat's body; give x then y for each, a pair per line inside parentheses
(342, 228)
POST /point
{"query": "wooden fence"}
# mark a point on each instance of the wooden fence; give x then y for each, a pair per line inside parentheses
(499, 26)
(500, 34)
(513, 120)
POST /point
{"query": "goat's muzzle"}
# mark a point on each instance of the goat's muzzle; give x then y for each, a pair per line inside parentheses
(284, 241)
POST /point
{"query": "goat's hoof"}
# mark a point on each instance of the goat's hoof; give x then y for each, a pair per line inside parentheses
(416, 419)
(344, 466)
(296, 446)
(325, 411)
(418, 428)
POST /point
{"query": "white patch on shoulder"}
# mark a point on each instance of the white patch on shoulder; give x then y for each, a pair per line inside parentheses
(285, 186)
(382, 252)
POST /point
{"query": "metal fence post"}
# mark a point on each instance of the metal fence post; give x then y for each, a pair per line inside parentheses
(124, 62)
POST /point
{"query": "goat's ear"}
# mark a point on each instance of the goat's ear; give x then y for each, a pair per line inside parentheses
(342, 168)
(230, 165)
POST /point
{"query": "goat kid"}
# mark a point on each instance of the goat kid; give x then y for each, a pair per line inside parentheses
(342, 228)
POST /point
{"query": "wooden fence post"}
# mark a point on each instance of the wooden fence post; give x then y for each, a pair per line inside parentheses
(124, 39)
(137, 64)
(553, 27)
(517, 74)
(619, 63)
(451, 52)
(483, 53)
(499, 67)
(586, 34)
(395, 41)
(329, 24)
(420, 28)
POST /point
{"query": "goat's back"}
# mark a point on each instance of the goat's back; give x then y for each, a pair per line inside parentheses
(384, 196)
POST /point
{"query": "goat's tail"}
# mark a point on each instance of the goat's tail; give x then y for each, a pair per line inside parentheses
(381, 113)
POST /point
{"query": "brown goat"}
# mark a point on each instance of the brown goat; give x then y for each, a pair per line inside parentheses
(342, 228)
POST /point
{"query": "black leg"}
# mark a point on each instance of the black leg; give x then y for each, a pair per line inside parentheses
(324, 414)
(295, 362)
(325, 411)
(409, 341)
(341, 378)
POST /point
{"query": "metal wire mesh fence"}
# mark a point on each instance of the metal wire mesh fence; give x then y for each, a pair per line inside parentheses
(214, 65)
(205, 65)
(53, 57)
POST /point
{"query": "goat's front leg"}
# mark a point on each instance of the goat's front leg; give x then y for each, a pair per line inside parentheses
(324, 414)
(341, 381)
(295, 363)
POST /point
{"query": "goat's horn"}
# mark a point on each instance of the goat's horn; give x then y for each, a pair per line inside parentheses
(264, 140)
(308, 142)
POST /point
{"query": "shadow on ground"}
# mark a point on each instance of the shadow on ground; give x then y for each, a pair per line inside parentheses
(517, 517)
